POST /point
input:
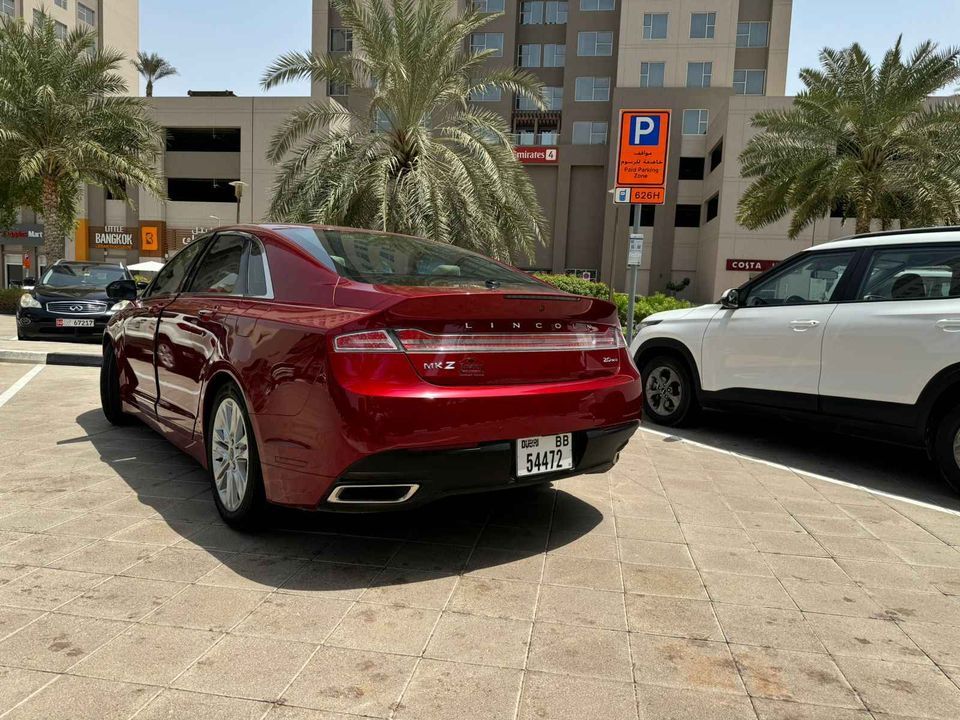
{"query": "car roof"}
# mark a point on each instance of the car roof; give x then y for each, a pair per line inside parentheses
(898, 237)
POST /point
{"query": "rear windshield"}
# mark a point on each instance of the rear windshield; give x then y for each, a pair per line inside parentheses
(82, 276)
(400, 260)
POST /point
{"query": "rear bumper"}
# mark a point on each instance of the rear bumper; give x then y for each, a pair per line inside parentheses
(440, 473)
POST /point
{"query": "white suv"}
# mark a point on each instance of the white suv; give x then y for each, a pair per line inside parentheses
(862, 334)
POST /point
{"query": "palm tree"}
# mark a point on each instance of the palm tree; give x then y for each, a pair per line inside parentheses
(152, 67)
(409, 154)
(63, 123)
(860, 139)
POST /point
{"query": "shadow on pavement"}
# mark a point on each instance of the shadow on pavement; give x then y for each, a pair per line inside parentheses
(466, 533)
(903, 471)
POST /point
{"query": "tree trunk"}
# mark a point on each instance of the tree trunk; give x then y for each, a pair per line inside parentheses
(863, 222)
(149, 88)
(53, 239)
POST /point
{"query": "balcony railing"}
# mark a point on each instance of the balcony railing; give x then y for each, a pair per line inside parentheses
(532, 138)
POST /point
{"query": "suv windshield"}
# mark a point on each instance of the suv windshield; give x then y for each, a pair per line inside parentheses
(401, 260)
(71, 275)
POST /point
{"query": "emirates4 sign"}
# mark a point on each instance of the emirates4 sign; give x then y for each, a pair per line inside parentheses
(642, 152)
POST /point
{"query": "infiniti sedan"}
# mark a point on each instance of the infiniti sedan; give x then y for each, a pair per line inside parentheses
(338, 369)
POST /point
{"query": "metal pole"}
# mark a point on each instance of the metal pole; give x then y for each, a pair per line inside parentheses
(613, 249)
(631, 303)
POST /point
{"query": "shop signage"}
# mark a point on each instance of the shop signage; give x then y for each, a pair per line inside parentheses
(29, 235)
(642, 148)
(113, 236)
(149, 238)
(531, 155)
(181, 237)
(742, 265)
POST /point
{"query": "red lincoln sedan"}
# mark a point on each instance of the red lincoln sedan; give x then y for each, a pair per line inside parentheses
(339, 369)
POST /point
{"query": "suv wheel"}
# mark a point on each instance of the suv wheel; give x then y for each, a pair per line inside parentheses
(946, 448)
(234, 462)
(668, 392)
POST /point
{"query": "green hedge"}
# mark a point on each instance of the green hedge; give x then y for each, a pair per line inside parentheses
(9, 299)
(645, 304)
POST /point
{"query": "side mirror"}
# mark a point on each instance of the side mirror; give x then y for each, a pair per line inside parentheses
(730, 300)
(122, 290)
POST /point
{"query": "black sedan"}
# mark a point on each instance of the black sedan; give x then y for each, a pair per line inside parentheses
(70, 301)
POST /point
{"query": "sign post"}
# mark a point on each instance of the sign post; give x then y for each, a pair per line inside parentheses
(634, 258)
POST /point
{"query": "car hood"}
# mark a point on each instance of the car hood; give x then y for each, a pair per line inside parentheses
(52, 293)
(701, 311)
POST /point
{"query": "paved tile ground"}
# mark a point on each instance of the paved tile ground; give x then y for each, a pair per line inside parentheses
(684, 584)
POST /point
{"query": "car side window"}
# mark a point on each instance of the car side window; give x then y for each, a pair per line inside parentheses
(172, 274)
(912, 273)
(218, 271)
(811, 280)
(258, 283)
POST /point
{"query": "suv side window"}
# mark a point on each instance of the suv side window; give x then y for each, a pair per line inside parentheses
(912, 273)
(218, 271)
(811, 280)
(171, 276)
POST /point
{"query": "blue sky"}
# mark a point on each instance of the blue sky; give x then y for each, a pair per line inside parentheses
(226, 44)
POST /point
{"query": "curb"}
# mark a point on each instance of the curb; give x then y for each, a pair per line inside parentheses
(50, 358)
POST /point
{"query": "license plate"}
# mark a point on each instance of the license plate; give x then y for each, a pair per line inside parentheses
(544, 454)
(74, 322)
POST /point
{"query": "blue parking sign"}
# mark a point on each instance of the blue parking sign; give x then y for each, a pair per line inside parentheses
(645, 130)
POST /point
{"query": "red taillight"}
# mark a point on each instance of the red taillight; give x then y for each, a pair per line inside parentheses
(418, 341)
(366, 341)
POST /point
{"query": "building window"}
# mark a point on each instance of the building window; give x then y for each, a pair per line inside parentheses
(60, 3)
(654, 26)
(528, 56)
(752, 34)
(337, 89)
(589, 133)
(202, 139)
(60, 30)
(479, 42)
(651, 74)
(554, 55)
(488, 6)
(695, 122)
(597, 5)
(648, 214)
(691, 168)
(749, 82)
(713, 207)
(488, 95)
(553, 97)
(594, 43)
(531, 13)
(716, 156)
(201, 190)
(556, 12)
(687, 216)
(341, 40)
(593, 89)
(86, 15)
(8, 7)
(699, 74)
(703, 25)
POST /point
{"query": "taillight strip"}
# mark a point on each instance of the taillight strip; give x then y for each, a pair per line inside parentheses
(418, 341)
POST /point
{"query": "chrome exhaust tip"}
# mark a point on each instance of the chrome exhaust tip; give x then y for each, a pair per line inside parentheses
(392, 494)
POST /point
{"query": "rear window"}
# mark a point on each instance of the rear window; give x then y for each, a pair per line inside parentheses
(400, 260)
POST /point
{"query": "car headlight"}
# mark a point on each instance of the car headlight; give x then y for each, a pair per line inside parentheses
(649, 323)
(117, 307)
(29, 301)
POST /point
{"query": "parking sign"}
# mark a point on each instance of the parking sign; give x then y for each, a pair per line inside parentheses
(642, 148)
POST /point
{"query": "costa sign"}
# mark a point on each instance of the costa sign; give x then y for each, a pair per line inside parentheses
(534, 155)
(743, 265)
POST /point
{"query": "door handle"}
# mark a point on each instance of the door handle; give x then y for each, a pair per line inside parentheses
(205, 313)
(803, 325)
(949, 325)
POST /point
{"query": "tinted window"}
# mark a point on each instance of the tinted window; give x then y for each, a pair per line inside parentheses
(74, 275)
(400, 260)
(691, 168)
(913, 273)
(687, 216)
(256, 272)
(170, 278)
(219, 268)
(811, 280)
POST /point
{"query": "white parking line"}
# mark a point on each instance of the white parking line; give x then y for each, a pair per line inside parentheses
(7, 395)
(807, 473)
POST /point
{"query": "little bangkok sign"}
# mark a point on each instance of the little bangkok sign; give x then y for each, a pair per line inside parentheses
(114, 236)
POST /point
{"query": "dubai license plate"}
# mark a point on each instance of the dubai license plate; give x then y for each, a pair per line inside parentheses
(544, 454)
(74, 322)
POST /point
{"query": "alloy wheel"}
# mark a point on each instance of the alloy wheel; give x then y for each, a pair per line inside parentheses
(230, 458)
(956, 448)
(664, 390)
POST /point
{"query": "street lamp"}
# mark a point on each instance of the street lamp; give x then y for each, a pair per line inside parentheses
(238, 186)
(215, 217)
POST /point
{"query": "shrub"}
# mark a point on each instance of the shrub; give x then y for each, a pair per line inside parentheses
(645, 304)
(577, 286)
(9, 299)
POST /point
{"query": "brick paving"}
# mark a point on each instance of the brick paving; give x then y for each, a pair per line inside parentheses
(683, 584)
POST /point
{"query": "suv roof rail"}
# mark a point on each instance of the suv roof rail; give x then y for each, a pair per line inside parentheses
(903, 231)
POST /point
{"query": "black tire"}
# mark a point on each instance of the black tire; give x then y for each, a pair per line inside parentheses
(250, 512)
(110, 401)
(944, 439)
(669, 395)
